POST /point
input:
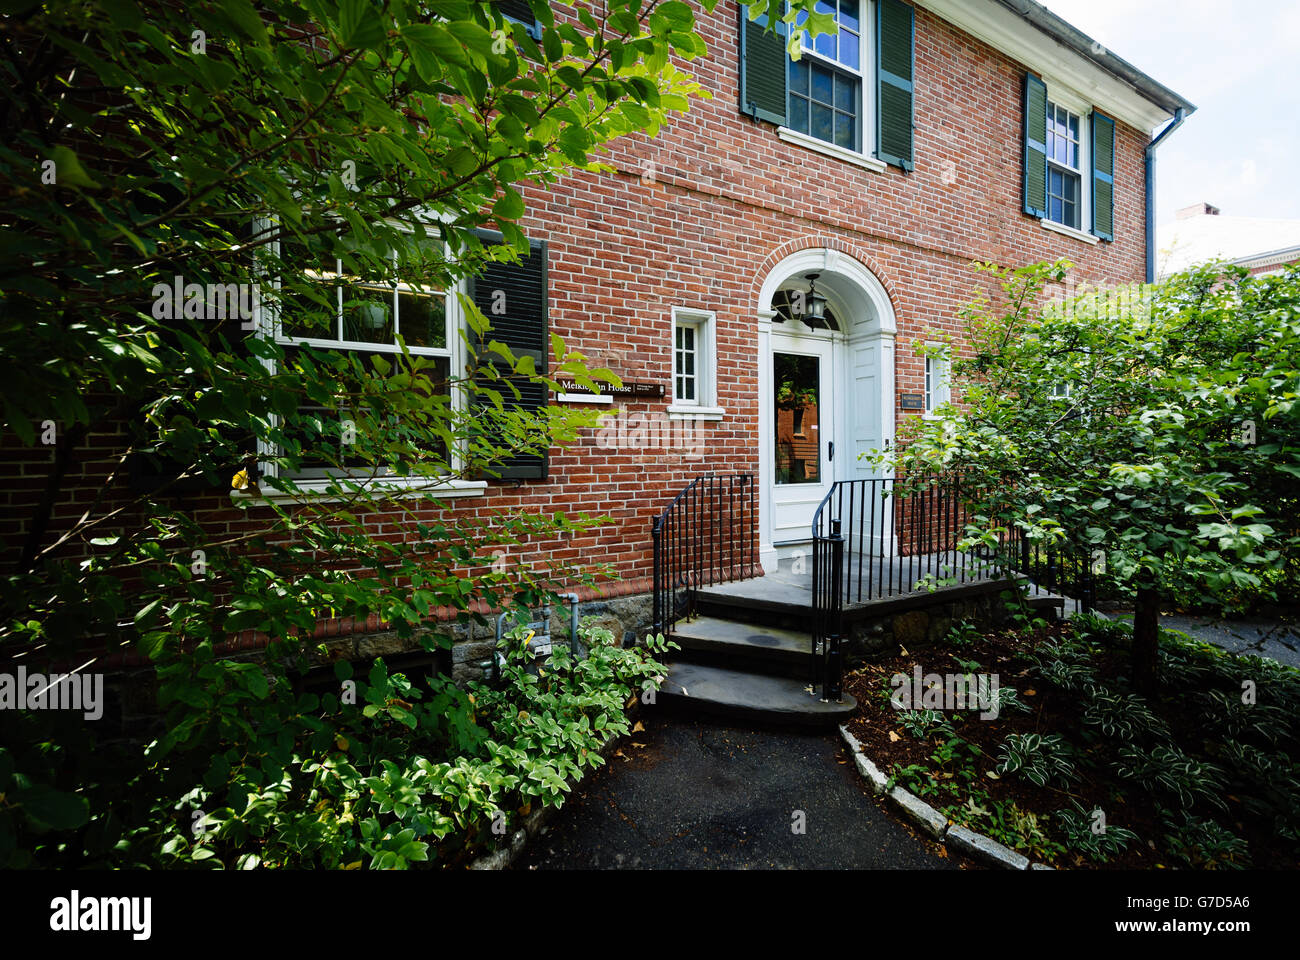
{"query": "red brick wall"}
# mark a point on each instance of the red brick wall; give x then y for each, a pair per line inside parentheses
(728, 199)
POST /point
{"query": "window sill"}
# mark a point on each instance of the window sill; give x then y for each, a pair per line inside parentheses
(688, 411)
(396, 488)
(831, 150)
(1069, 231)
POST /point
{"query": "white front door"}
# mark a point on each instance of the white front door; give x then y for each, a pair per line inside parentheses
(801, 432)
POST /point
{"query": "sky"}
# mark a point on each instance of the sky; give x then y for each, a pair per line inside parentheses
(1239, 62)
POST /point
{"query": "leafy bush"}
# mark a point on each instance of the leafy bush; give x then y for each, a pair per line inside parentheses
(1170, 771)
(1040, 758)
(1081, 834)
(1205, 844)
(921, 724)
(402, 776)
(1124, 715)
(1065, 664)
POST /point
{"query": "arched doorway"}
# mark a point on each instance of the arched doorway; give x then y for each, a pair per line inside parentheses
(826, 388)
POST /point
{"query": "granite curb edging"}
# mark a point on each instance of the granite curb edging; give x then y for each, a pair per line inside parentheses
(930, 821)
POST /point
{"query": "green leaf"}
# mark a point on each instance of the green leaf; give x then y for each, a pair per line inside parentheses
(53, 808)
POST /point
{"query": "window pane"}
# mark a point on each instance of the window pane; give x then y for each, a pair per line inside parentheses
(822, 85)
(799, 114)
(844, 131)
(368, 315)
(799, 77)
(849, 50)
(825, 45)
(849, 14)
(422, 319)
(845, 94)
(823, 124)
(797, 382)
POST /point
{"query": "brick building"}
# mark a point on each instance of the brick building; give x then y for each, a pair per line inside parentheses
(798, 235)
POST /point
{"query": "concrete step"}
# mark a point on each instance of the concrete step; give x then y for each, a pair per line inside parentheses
(716, 691)
(744, 646)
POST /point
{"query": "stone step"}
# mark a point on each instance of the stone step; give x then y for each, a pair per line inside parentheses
(737, 645)
(716, 691)
(781, 613)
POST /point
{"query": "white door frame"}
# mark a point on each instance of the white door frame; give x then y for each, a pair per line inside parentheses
(859, 299)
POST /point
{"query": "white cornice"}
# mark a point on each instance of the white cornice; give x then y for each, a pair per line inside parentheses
(1055, 62)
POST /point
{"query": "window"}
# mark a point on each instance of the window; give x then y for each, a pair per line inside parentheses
(694, 367)
(364, 315)
(1069, 162)
(1064, 166)
(937, 391)
(686, 362)
(825, 85)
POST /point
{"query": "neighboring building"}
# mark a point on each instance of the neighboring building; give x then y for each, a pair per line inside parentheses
(1201, 233)
(876, 168)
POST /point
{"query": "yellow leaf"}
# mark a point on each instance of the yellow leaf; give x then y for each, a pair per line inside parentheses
(341, 742)
(240, 480)
(635, 744)
(902, 650)
(1031, 693)
(355, 865)
(638, 727)
(893, 737)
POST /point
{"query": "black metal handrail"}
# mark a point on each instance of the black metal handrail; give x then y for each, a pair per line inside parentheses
(705, 536)
(882, 537)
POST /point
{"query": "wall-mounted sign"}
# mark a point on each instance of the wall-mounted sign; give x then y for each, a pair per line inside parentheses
(911, 401)
(630, 388)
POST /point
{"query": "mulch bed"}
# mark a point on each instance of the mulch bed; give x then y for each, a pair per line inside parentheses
(1003, 653)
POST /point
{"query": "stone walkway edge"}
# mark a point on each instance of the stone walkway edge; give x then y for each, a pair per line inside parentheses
(931, 821)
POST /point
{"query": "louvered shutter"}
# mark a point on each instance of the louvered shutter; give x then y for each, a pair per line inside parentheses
(763, 67)
(1035, 146)
(895, 77)
(1103, 176)
(519, 291)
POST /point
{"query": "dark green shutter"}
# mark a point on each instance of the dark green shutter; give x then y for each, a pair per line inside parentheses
(764, 64)
(895, 73)
(520, 10)
(1103, 176)
(522, 328)
(1035, 146)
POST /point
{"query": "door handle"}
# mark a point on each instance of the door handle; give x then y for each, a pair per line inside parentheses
(831, 455)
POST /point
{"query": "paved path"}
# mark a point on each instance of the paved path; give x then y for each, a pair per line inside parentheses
(1278, 639)
(704, 796)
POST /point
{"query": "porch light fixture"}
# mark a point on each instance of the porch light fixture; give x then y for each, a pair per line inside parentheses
(816, 302)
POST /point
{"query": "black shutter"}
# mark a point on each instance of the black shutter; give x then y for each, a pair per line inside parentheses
(764, 64)
(895, 74)
(1035, 146)
(1103, 176)
(520, 292)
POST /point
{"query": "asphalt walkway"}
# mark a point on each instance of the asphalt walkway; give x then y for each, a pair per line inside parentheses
(688, 795)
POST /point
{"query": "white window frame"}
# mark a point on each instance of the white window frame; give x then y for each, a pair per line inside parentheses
(864, 156)
(1060, 96)
(938, 378)
(704, 405)
(268, 324)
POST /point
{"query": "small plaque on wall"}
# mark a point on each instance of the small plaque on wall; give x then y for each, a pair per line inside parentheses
(911, 401)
